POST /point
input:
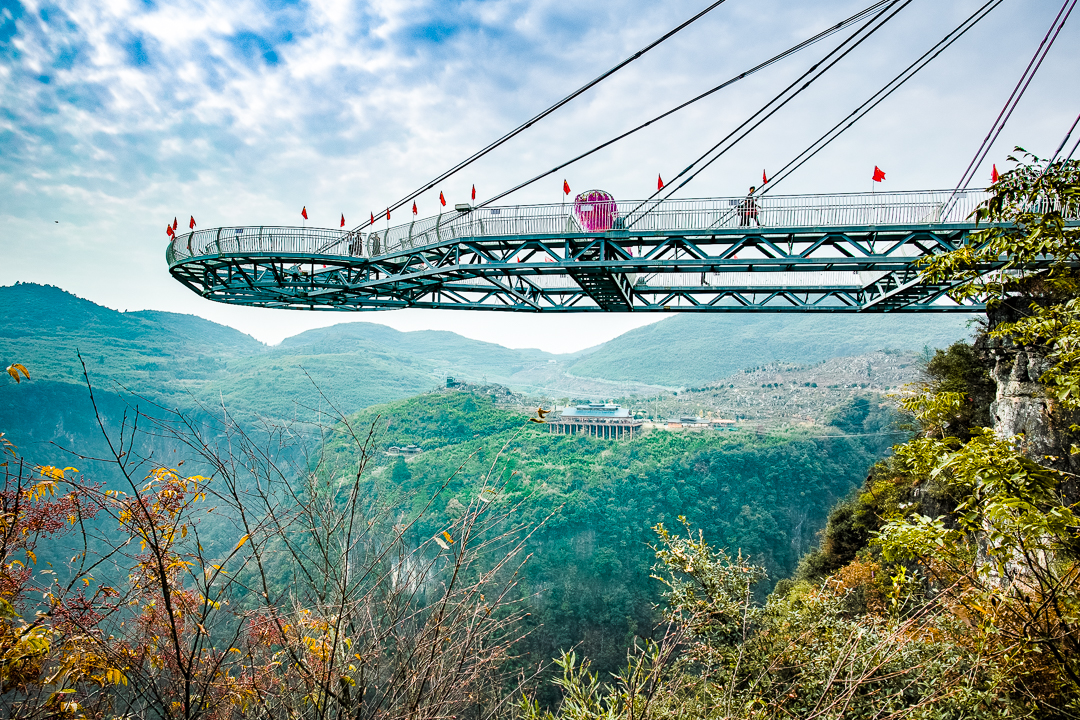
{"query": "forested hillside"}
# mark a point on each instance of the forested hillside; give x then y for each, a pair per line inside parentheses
(588, 580)
(172, 356)
(180, 361)
(765, 491)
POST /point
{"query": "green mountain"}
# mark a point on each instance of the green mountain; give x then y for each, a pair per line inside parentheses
(695, 349)
(437, 346)
(588, 581)
(180, 360)
(46, 328)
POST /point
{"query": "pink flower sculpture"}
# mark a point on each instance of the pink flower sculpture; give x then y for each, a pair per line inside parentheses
(595, 210)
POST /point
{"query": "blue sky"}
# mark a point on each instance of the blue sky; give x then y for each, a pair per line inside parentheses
(117, 115)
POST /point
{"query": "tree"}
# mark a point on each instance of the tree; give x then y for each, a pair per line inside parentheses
(1006, 559)
(1024, 264)
(950, 587)
(260, 581)
(399, 473)
(802, 655)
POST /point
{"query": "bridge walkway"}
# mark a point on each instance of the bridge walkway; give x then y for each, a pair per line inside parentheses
(856, 252)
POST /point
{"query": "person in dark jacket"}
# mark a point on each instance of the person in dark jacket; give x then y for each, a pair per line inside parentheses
(749, 209)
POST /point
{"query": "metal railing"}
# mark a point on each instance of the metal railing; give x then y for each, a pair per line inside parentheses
(781, 211)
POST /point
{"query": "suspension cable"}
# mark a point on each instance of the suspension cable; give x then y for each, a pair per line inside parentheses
(1014, 97)
(877, 98)
(1073, 151)
(745, 74)
(1065, 140)
(783, 98)
(544, 113)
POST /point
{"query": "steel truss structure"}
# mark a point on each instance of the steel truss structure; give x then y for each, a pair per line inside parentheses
(840, 253)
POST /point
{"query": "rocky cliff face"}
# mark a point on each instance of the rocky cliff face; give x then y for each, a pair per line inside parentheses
(1022, 408)
(1021, 405)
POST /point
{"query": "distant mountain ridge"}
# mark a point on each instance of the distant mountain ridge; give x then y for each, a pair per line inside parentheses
(693, 349)
(181, 359)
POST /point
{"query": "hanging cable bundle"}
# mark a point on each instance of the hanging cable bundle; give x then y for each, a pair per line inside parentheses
(774, 105)
(741, 76)
(1017, 93)
(544, 113)
(1065, 140)
(877, 98)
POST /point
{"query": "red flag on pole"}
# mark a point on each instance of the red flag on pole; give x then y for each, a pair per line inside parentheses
(372, 218)
(388, 214)
(304, 212)
(192, 223)
(565, 187)
(473, 192)
(169, 230)
(342, 219)
(659, 182)
(414, 207)
(442, 199)
(764, 178)
(994, 174)
(879, 174)
(174, 224)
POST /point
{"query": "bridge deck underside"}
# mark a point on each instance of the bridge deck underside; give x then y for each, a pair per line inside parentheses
(857, 269)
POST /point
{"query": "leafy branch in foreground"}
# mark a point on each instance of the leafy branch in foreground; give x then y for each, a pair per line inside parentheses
(804, 655)
(265, 581)
(1026, 260)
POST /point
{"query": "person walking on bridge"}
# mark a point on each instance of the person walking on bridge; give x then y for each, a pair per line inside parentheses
(749, 209)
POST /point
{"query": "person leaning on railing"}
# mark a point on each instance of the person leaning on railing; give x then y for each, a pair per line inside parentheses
(749, 209)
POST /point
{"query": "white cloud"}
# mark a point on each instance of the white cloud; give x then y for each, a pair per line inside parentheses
(239, 112)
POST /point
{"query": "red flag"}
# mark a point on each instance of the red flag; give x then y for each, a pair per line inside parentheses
(442, 199)
(414, 207)
(473, 192)
(387, 214)
(174, 224)
(565, 187)
(879, 174)
(304, 212)
(764, 178)
(659, 182)
(342, 219)
(372, 218)
(192, 223)
(994, 174)
(169, 230)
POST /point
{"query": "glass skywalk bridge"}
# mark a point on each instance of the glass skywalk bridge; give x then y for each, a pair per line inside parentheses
(798, 253)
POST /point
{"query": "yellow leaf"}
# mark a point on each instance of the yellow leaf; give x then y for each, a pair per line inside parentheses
(242, 541)
(448, 538)
(32, 556)
(15, 368)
